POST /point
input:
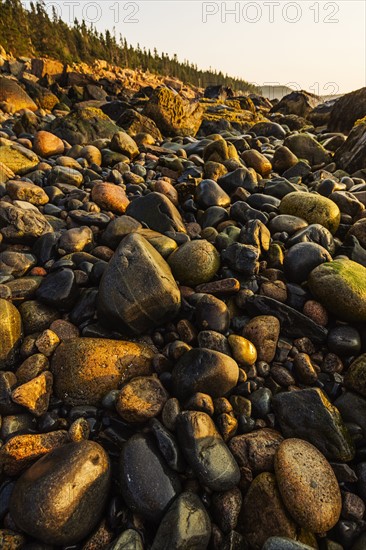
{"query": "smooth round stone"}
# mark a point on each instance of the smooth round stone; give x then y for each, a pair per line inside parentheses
(148, 485)
(194, 262)
(58, 289)
(263, 331)
(186, 525)
(212, 314)
(60, 499)
(46, 144)
(204, 370)
(307, 485)
(163, 244)
(287, 223)
(141, 399)
(26, 191)
(312, 208)
(110, 197)
(137, 290)
(344, 340)
(302, 258)
(10, 333)
(283, 159)
(86, 369)
(209, 193)
(158, 212)
(75, 239)
(256, 160)
(341, 286)
(119, 228)
(243, 350)
(263, 513)
(206, 452)
(36, 316)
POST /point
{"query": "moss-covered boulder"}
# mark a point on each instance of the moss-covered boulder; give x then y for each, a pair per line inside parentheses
(17, 158)
(173, 115)
(83, 126)
(312, 208)
(341, 287)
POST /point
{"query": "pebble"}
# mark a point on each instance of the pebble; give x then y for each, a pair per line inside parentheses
(195, 262)
(78, 475)
(205, 451)
(35, 394)
(314, 209)
(86, 369)
(10, 333)
(141, 399)
(263, 331)
(307, 485)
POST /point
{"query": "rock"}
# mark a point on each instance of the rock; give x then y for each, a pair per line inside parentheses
(120, 299)
(110, 197)
(35, 394)
(10, 334)
(307, 414)
(355, 378)
(314, 233)
(121, 142)
(344, 340)
(312, 208)
(75, 240)
(83, 126)
(305, 146)
(13, 98)
(65, 175)
(60, 499)
(255, 159)
(347, 110)
(308, 485)
(5, 173)
(173, 115)
(283, 159)
(268, 129)
(352, 407)
(204, 370)
(9, 540)
(42, 66)
(36, 317)
(46, 144)
(148, 486)
(284, 543)
(206, 452)
(26, 191)
(244, 351)
(141, 399)
(263, 514)
(209, 193)
(135, 123)
(18, 224)
(256, 450)
(21, 450)
(212, 314)
(185, 525)
(263, 331)
(157, 212)
(128, 540)
(17, 158)
(352, 154)
(58, 289)
(302, 258)
(298, 103)
(86, 369)
(242, 258)
(194, 262)
(358, 230)
(30, 368)
(341, 286)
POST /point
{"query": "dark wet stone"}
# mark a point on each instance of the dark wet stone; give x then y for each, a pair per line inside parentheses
(157, 212)
(59, 290)
(353, 409)
(314, 233)
(344, 340)
(121, 302)
(147, 483)
(261, 402)
(241, 212)
(36, 316)
(287, 223)
(352, 248)
(99, 219)
(212, 314)
(241, 177)
(84, 308)
(307, 414)
(225, 509)
(284, 543)
(204, 370)
(213, 216)
(302, 258)
(242, 258)
(293, 323)
(185, 526)
(206, 452)
(209, 193)
(61, 497)
(128, 540)
(168, 446)
(280, 187)
(256, 234)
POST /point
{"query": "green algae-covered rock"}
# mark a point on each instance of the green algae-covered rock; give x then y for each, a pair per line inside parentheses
(83, 126)
(194, 262)
(341, 286)
(312, 208)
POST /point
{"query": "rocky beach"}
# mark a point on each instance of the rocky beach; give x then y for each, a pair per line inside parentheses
(182, 314)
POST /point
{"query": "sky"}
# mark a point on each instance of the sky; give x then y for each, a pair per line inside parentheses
(315, 45)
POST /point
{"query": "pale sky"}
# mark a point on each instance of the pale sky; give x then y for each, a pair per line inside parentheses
(315, 45)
